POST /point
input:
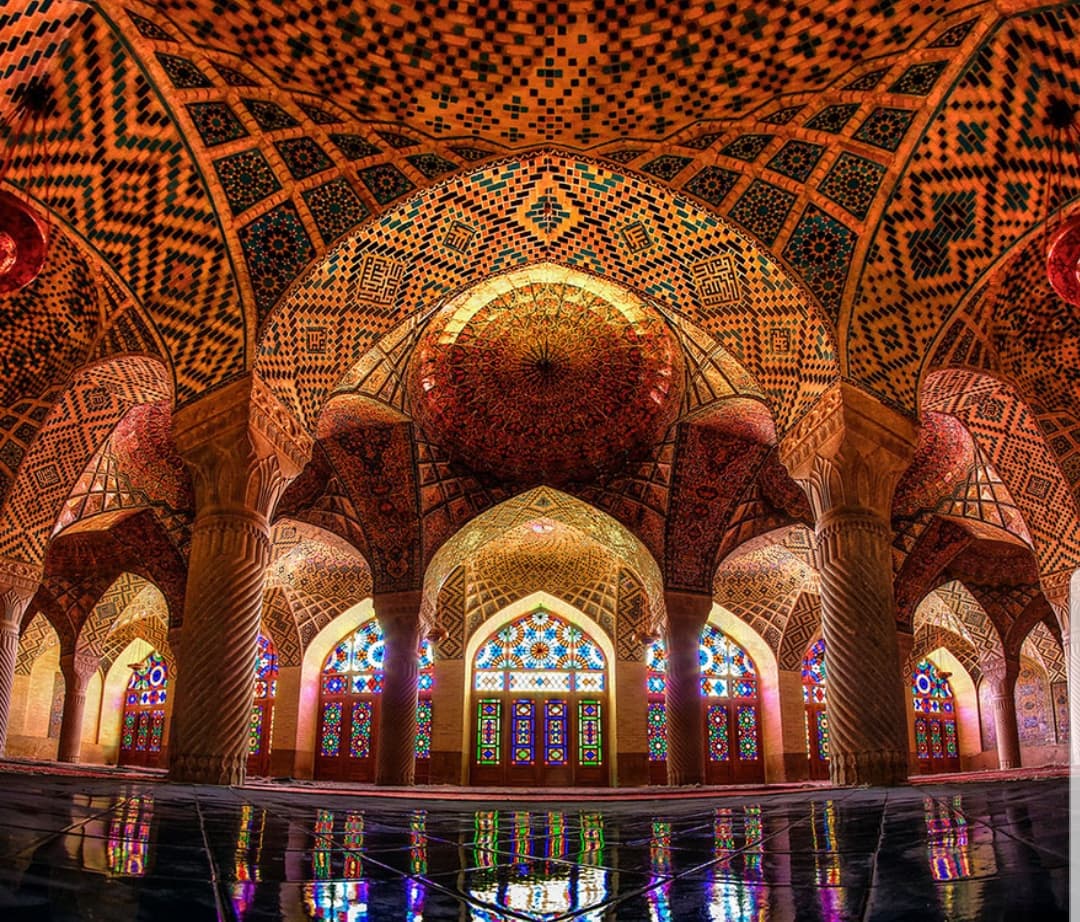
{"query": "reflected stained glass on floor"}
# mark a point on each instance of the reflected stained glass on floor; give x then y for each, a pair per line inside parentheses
(831, 896)
(541, 877)
(249, 843)
(947, 839)
(128, 844)
(734, 895)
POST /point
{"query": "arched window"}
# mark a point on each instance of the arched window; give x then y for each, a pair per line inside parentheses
(815, 720)
(732, 693)
(937, 746)
(540, 704)
(730, 687)
(262, 709)
(350, 689)
(143, 724)
(656, 690)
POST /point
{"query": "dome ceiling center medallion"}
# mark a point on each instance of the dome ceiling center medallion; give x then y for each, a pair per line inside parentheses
(546, 374)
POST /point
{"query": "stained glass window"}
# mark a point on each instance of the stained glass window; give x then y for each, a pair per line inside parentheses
(589, 733)
(261, 725)
(521, 731)
(726, 668)
(539, 652)
(555, 732)
(555, 664)
(657, 727)
(727, 672)
(815, 719)
(717, 722)
(813, 673)
(935, 714)
(142, 724)
(351, 680)
(488, 731)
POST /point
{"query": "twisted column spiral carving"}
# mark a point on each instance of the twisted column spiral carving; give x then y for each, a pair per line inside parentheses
(685, 716)
(867, 723)
(242, 448)
(18, 582)
(1001, 676)
(395, 755)
(229, 555)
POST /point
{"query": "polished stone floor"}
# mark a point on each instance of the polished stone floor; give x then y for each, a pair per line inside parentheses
(113, 849)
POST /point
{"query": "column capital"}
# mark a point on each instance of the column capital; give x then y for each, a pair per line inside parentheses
(849, 451)
(18, 583)
(397, 606)
(1056, 588)
(80, 665)
(242, 446)
(1001, 672)
(689, 609)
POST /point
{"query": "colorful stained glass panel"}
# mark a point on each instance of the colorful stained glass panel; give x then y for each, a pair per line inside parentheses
(330, 740)
(590, 743)
(488, 731)
(746, 720)
(657, 729)
(423, 728)
(522, 720)
(360, 733)
(555, 732)
(717, 723)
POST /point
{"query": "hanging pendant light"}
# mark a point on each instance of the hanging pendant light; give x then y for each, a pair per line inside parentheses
(24, 233)
(1063, 238)
(23, 243)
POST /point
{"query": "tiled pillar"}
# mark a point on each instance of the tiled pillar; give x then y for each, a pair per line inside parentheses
(686, 613)
(77, 668)
(1001, 674)
(848, 454)
(398, 614)
(242, 448)
(18, 582)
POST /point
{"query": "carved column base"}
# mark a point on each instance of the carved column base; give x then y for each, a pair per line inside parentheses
(208, 769)
(882, 767)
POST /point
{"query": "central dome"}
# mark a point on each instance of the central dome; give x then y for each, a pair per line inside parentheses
(546, 374)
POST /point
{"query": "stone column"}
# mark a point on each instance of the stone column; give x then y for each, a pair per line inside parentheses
(1062, 591)
(398, 614)
(77, 667)
(905, 643)
(242, 448)
(1001, 674)
(848, 454)
(18, 583)
(686, 613)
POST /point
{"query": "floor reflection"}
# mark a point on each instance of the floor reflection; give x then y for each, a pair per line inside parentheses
(827, 857)
(129, 837)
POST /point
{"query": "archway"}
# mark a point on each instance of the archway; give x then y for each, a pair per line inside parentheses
(539, 703)
(731, 688)
(350, 690)
(937, 742)
(816, 720)
(142, 727)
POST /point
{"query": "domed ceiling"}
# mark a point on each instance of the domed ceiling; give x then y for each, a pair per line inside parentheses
(546, 374)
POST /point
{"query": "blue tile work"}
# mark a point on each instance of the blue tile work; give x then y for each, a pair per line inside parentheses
(820, 249)
(276, 247)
